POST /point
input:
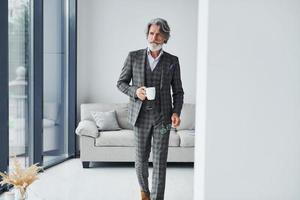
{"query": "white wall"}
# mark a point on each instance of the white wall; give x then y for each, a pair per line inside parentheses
(252, 123)
(109, 29)
(253, 101)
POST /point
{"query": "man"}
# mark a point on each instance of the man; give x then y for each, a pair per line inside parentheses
(152, 119)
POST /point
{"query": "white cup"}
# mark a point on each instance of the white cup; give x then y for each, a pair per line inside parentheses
(150, 93)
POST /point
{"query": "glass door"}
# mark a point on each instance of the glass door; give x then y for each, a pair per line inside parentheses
(37, 81)
(20, 63)
(55, 95)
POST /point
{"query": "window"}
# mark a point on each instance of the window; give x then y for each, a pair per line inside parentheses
(20, 63)
(37, 81)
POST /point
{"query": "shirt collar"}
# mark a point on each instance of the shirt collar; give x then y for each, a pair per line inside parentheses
(160, 53)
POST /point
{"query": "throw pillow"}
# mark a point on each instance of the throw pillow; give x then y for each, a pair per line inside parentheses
(187, 117)
(106, 121)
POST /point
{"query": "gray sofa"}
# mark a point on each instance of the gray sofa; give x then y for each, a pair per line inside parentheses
(118, 145)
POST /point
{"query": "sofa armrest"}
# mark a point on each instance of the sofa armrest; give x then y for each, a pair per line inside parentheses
(87, 128)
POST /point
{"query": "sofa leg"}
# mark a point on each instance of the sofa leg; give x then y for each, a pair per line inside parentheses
(85, 164)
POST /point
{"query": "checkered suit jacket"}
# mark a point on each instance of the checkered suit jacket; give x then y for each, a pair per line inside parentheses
(133, 70)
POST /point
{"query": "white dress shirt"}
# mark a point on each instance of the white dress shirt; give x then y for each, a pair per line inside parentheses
(153, 61)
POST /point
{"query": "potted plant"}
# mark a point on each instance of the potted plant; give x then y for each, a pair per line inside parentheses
(20, 177)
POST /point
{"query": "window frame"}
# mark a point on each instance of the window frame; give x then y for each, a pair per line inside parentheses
(4, 120)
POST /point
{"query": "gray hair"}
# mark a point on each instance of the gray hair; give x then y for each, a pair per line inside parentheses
(164, 27)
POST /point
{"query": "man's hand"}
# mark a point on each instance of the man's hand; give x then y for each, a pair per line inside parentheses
(175, 120)
(141, 93)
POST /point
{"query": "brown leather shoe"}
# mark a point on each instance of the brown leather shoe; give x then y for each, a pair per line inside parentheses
(145, 195)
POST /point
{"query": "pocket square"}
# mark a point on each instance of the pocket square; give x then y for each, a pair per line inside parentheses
(172, 65)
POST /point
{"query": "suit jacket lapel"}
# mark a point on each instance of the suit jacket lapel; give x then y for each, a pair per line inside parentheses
(141, 64)
(164, 64)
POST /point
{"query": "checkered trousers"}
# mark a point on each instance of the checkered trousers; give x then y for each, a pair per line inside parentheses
(148, 127)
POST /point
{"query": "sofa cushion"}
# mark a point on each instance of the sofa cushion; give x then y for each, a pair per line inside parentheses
(174, 139)
(125, 137)
(116, 138)
(187, 117)
(187, 138)
(106, 121)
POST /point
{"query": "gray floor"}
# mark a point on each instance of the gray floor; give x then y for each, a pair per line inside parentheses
(106, 181)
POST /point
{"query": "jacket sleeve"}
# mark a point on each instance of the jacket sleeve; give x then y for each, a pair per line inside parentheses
(177, 89)
(126, 77)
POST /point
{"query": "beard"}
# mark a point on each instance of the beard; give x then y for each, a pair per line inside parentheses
(154, 46)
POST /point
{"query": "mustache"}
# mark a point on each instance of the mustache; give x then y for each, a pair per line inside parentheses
(156, 43)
